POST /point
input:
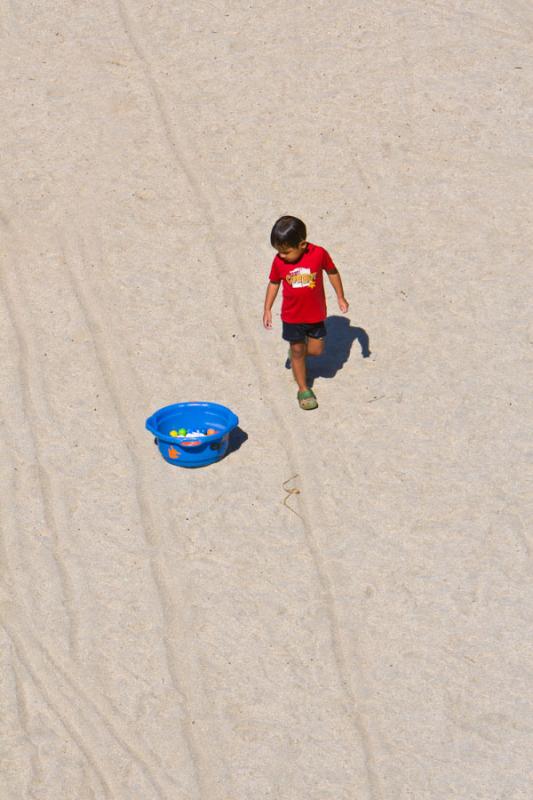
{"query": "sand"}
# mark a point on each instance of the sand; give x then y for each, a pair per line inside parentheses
(170, 634)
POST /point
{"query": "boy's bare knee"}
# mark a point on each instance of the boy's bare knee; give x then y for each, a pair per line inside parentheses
(315, 347)
(298, 349)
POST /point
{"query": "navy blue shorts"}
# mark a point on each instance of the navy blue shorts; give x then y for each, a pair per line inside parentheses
(297, 331)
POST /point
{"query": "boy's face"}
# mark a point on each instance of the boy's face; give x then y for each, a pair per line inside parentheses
(291, 254)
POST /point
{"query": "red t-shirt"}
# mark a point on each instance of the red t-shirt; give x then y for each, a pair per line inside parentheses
(304, 299)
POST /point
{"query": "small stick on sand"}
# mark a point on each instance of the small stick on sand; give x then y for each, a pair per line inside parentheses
(289, 493)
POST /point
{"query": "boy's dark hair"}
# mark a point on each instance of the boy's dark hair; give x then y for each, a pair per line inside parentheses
(289, 231)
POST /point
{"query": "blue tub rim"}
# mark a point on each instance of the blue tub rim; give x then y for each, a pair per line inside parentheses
(162, 437)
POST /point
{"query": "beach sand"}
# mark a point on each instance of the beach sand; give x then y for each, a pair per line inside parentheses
(172, 634)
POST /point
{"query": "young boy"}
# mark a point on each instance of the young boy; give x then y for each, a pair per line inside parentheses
(300, 266)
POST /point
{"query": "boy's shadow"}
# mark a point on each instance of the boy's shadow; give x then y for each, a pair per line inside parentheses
(340, 338)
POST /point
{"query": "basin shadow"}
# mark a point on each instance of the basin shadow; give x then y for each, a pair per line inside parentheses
(237, 438)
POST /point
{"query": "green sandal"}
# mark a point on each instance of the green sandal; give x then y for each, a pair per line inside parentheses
(307, 400)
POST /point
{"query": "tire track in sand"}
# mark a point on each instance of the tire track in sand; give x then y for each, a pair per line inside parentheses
(64, 693)
(295, 454)
(37, 772)
(116, 374)
(61, 695)
(53, 496)
(37, 415)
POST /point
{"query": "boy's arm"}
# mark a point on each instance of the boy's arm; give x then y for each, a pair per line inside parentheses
(336, 282)
(271, 294)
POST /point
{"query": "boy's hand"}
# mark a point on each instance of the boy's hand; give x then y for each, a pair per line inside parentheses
(271, 294)
(336, 282)
(343, 304)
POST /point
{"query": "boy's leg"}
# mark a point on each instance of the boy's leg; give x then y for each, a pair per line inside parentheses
(298, 353)
(293, 333)
(315, 347)
(316, 339)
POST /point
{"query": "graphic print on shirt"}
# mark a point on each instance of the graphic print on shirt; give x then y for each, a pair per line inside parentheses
(301, 277)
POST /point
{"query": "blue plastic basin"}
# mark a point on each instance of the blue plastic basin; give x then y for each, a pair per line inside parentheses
(192, 416)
